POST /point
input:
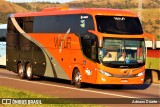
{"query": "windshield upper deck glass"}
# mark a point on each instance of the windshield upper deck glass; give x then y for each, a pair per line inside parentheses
(118, 25)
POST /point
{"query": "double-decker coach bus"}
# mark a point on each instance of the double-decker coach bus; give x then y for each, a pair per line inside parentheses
(97, 46)
(3, 30)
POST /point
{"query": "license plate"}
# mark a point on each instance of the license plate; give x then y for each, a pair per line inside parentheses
(124, 80)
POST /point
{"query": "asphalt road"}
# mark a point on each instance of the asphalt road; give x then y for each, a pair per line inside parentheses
(63, 89)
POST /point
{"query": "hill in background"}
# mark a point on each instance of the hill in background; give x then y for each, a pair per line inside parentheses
(40, 5)
(150, 16)
(7, 8)
(150, 12)
(114, 3)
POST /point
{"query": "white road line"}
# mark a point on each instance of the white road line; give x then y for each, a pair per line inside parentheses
(155, 84)
(83, 90)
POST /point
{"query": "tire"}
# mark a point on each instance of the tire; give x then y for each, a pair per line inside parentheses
(29, 73)
(117, 86)
(21, 72)
(77, 79)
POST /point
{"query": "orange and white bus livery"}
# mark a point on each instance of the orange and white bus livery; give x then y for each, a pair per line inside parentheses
(97, 46)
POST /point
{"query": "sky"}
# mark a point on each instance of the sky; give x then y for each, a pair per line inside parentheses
(61, 1)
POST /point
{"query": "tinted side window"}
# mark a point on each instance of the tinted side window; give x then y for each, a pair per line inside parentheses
(26, 23)
(79, 23)
(2, 34)
(89, 43)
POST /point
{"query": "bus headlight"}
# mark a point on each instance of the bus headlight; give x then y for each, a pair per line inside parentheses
(140, 74)
(105, 73)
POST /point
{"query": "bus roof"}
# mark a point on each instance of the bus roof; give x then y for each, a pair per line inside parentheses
(92, 11)
(3, 26)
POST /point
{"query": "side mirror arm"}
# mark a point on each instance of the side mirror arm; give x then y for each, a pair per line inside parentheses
(99, 35)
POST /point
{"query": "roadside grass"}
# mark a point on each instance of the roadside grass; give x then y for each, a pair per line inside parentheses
(153, 63)
(6, 92)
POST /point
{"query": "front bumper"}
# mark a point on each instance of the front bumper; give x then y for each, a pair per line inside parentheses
(102, 79)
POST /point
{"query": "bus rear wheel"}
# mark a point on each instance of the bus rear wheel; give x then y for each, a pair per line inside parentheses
(29, 73)
(21, 72)
(77, 79)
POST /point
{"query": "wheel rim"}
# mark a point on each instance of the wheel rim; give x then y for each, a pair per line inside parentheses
(20, 70)
(29, 72)
(78, 78)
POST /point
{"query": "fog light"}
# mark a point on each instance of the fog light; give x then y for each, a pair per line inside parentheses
(103, 79)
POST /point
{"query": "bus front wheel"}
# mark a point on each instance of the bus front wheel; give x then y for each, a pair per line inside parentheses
(29, 73)
(77, 79)
(21, 72)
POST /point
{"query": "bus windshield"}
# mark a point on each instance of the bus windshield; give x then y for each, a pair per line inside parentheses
(122, 52)
(119, 25)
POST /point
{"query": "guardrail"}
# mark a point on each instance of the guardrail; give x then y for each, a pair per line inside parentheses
(149, 44)
(153, 66)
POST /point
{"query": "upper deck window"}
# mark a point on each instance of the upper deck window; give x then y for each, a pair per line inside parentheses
(78, 23)
(118, 25)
